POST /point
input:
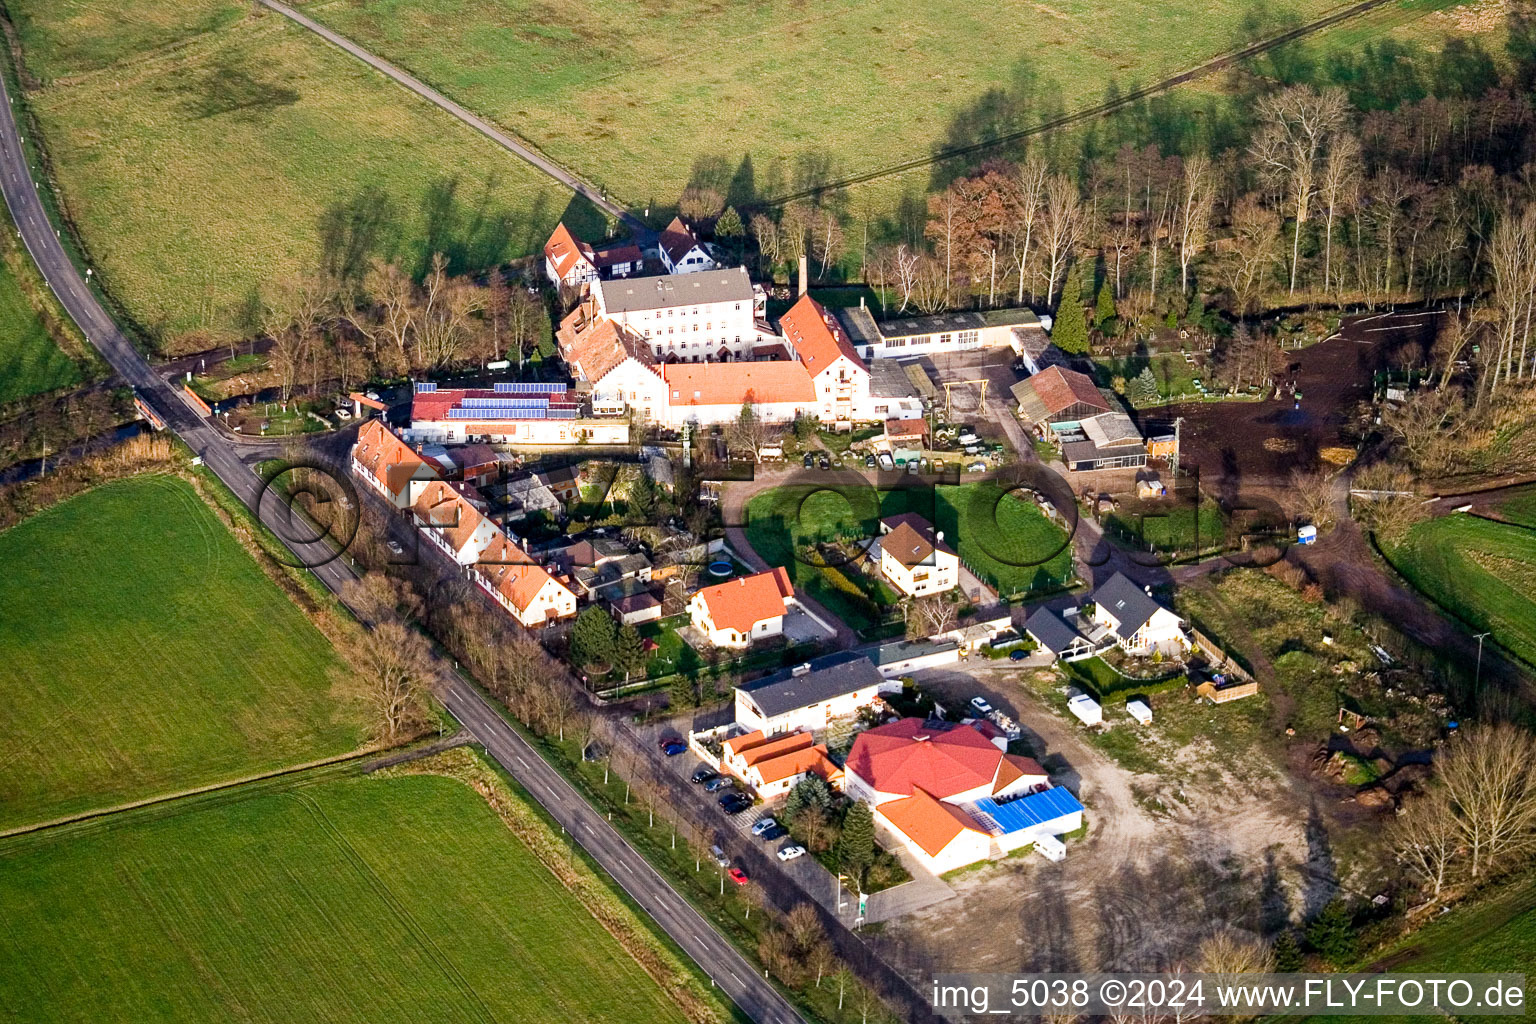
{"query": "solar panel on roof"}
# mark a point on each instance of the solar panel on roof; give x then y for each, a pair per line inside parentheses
(423, 387)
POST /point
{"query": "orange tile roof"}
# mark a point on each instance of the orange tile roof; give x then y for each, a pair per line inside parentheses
(742, 603)
(816, 336)
(386, 458)
(931, 824)
(512, 573)
(1061, 389)
(777, 748)
(812, 759)
(442, 508)
(596, 344)
(564, 250)
(746, 741)
(907, 755)
(737, 383)
(906, 428)
(1012, 768)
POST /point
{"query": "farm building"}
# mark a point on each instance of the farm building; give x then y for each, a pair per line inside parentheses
(1058, 400)
(512, 413)
(1107, 441)
(810, 696)
(961, 331)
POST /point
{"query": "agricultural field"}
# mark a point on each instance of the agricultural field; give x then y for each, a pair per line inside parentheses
(31, 359)
(146, 652)
(205, 151)
(1483, 572)
(348, 899)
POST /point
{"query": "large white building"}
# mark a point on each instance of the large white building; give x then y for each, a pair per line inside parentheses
(688, 318)
(810, 696)
(942, 334)
(838, 376)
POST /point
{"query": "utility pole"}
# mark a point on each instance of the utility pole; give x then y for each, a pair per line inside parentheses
(1477, 679)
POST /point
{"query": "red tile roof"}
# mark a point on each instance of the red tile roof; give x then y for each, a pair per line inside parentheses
(742, 603)
(596, 344)
(564, 250)
(907, 755)
(676, 239)
(604, 258)
(737, 383)
(1061, 389)
(390, 461)
(511, 572)
(816, 336)
(906, 428)
(931, 824)
(433, 406)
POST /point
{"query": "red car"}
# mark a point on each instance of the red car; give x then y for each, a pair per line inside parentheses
(738, 876)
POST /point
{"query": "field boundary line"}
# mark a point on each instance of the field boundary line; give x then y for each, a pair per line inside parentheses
(413, 84)
(212, 787)
(1085, 113)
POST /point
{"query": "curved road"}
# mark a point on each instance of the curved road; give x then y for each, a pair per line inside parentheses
(757, 998)
(479, 124)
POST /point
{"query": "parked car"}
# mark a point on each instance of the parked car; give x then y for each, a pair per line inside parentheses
(716, 784)
(1017, 654)
(734, 803)
(791, 851)
(703, 773)
(980, 706)
(825, 463)
(870, 462)
(738, 876)
(775, 833)
(394, 547)
(674, 747)
(718, 856)
(912, 467)
(809, 460)
(762, 825)
(886, 462)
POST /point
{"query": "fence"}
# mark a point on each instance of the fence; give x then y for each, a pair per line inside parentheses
(1229, 663)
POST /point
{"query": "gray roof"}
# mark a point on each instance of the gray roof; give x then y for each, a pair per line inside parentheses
(628, 294)
(1111, 429)
(965, 320)
(859, 325)
(1051, 630)
(832, 676)
(902, 650)
(887, 379)
(1075, 452)
(1128, 603)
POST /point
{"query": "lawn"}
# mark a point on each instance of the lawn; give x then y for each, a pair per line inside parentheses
(1520, 507)
(205, 150)
(1165, 527)
(356, 899)
(146, 652)
(1003, 538)
(795, 94)
(1482, 571)
(31, 361)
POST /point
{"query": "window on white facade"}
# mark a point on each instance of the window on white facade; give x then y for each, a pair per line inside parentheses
(944, 339)
(969, 337)
(895, 342)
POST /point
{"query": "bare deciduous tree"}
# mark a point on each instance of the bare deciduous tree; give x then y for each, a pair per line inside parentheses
(1489, 778)
(1296, 126)
(1425, 839)
(1192, 221)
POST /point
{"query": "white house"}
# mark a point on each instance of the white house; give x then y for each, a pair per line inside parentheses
(448, 520)
(570, 263)
(681, 252)
(950, 796)
(739, 611)
(620, 368)
(528, 591)
(1140, 624)
(772, 766)
(701, 317)
(388, 464)
(810, 696)
(839, 378)
(914, 557)
(715, 392)
(942, 334)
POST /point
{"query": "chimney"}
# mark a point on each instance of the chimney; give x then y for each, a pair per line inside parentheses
(861, 302)
(805, 275)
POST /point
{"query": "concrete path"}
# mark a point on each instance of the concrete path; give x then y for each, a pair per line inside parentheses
(490, 131)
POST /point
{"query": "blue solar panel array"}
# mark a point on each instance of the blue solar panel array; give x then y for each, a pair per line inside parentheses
(1028, 811)
(423, 387)
(523, 388)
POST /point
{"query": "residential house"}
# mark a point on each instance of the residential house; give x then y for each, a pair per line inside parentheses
(739, 611)
(950, 795)
(700, 317)
(513, 413)
(387, 464)
(592, 578)
(681, 252)
(839, 378)
(479, 464)
(1057, 400)
(914, 557)
(812, 695)
(585, 554)
(773, 766)
(715, 392)
(564, 482)
(1139, 623)
(903, 657)
(523, 496)
(533, 595)
(1053, 631)
(613, 361)
(451, 522)
(1107, 441)
(571, 263)
(632, 602)
(942, 334)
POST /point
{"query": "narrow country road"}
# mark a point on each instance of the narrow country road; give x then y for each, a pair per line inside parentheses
(479, 124)
(756, 996)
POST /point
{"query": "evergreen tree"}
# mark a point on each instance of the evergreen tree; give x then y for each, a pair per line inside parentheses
(592, 638)
(730, 231)
(856, 846)
(629, 651)
(680, 693)
(1144, 389)
(1287, 952)
(1070, 329)
(642, 499)
(1332, 934)
(1104, 310)
(811, 791)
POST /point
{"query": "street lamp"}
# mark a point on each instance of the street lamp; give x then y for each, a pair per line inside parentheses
(1477, 679)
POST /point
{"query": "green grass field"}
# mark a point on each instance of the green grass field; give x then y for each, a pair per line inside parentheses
(349, 900)
(204, 150)
(1482, 571)
(1520, 507)
(796, 93)
(31, 362)
(145, 652)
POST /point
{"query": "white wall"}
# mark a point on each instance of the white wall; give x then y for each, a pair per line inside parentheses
(694, 333)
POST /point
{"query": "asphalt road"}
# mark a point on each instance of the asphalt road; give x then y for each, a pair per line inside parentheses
(730, 971)
(479, 124)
